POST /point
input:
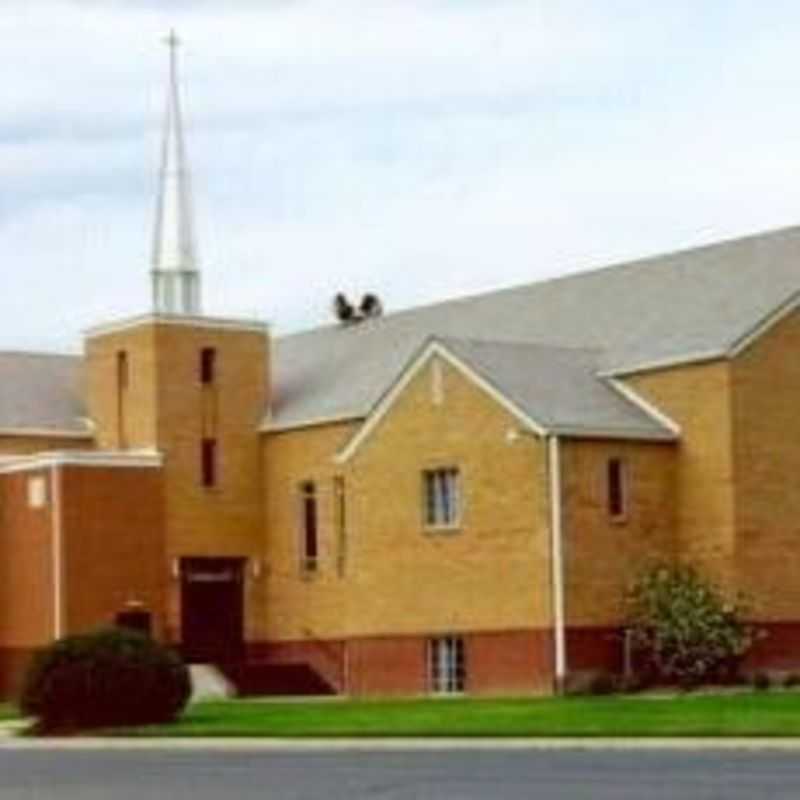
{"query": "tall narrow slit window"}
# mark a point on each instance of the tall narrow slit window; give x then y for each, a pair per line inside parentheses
(209, 464)
(341, 524)
(441, 498)
(208, 366)
(617, 488)
(309, 528)
(447, 667)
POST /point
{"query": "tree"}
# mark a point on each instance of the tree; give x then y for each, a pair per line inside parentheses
(683, 629)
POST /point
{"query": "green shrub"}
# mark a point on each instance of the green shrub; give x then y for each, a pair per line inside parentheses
(602, 683)
(683, 630)
(791, 681)
(105, 678)
(762, 681)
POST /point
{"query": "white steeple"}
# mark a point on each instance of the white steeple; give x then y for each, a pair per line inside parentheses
(176, 279)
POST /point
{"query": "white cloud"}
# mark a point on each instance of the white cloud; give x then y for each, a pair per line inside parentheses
(421, 149)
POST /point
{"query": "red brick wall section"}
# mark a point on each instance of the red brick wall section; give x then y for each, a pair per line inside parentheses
(778, 650)
(113, 531)
(387, 666)
(515, 662)
(595, 649)
(26, 564)
(13, 664)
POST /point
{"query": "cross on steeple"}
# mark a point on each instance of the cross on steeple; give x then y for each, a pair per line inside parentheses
(176, 280)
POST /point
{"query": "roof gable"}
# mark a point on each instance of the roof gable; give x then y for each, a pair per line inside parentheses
(685, 306)
(548, 390)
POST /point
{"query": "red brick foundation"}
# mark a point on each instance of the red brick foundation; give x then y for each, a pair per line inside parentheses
(778, 650)
(508, 662)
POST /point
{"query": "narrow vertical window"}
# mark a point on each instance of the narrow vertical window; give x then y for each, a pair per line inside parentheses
(341, 524)
(208, 365)
(122, 370)
(617, 499)
(209, 462)
(309, 534)
(446, 665)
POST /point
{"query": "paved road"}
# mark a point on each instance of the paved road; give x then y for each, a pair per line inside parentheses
(497, 775)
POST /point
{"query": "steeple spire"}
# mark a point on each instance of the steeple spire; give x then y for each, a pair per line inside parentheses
(176, 279)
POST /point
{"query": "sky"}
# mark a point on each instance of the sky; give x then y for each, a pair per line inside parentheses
(418, 149)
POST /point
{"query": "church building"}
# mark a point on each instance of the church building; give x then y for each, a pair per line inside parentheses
(447, 499)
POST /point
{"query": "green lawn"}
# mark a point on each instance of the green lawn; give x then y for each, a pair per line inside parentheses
(8, 711)
(760, 714)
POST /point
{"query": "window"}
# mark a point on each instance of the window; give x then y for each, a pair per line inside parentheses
(208, 366)
(309, 541)
(209, 462)
(37, 492)
(341, 524)
(617, 489)
(123, 371)
(441, 498)
(446, 665)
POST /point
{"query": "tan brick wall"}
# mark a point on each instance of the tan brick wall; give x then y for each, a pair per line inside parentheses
(112, 528)
(602, 555)
(28, 445)
(698, 398)
(168, 408)
(139, 407)
(298, 608)
(766, 413)
(401, 579)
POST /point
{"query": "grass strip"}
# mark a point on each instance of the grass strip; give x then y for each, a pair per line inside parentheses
(748, 715)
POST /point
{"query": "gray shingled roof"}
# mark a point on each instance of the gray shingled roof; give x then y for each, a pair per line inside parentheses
(671, 308)
(42, 391)
(557, 387)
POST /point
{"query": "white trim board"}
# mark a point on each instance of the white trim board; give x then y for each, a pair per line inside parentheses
(764, 325)
(651, 410)
(66, 458)
(429, 350)
(43, 433)
(208, 323)
(314, 422)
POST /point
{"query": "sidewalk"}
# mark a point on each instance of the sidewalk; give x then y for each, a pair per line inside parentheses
(9, 741)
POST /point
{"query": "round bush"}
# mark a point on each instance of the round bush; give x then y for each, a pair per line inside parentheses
(102, 679)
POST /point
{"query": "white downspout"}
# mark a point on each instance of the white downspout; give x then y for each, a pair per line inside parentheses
(57, 552)
(557, 560)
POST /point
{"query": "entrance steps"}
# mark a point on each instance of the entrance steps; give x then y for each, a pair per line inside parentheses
(209, 683)
(260, 678)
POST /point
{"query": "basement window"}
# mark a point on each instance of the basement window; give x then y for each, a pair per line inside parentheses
(446, 665)
(309, 528)
(617, 488)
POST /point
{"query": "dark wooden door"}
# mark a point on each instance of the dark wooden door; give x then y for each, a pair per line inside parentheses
(212, 609)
